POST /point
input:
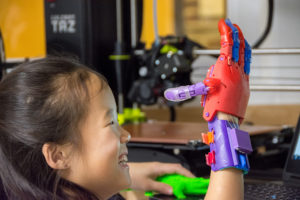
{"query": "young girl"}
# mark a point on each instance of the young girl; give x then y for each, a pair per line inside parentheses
(60, 138)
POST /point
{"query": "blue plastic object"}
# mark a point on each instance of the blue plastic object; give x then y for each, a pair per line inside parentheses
(236, 41)
(247, 58)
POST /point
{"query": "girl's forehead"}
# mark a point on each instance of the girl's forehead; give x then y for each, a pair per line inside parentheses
(96, 85)
(100, 91)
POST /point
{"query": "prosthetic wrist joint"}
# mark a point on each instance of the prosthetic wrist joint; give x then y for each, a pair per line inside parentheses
(229, 146)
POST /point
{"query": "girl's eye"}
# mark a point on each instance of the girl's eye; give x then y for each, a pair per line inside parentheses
(111, 123)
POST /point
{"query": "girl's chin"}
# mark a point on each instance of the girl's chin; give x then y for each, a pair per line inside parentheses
(124, 177)
(127, 181)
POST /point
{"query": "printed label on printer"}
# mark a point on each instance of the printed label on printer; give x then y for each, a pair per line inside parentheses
(63, 23)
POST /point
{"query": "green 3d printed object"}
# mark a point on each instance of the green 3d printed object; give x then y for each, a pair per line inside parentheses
(183, 185)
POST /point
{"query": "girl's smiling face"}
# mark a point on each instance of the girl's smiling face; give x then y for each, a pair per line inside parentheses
(100, 163)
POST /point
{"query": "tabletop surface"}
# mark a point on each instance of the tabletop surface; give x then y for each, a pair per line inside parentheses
(181, 132)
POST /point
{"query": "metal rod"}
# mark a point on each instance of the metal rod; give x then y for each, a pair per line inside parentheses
(155, 22)
(276, 51)
(120, 103)
(119, 20)
(282, 88)
(254, 51)
(118, 63)
(133, 19)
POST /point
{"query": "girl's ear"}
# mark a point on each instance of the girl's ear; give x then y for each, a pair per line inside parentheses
(56, 155)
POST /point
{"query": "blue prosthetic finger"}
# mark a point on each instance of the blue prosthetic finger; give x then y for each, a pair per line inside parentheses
(247, 58)
(236, 41)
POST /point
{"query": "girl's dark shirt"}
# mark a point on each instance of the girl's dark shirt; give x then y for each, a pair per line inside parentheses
(116, 197)
(68, 185)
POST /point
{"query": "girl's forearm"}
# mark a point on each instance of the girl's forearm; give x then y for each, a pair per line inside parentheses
(227, 183)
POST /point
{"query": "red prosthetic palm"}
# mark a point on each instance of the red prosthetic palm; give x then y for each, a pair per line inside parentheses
(227, 81)
(226, 86)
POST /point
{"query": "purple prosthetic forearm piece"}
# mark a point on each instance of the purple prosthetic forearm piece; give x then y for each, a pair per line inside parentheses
(230, 146)
(185, 92)
(221, 145)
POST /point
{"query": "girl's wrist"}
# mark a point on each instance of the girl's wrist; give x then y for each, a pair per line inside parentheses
(228, 117)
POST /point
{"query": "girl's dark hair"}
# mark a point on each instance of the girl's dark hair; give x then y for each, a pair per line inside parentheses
(41, 101)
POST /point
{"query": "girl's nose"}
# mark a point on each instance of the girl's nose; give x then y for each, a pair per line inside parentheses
(125, 136)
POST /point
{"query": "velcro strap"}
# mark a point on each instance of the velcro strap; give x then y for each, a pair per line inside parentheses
(239, 140)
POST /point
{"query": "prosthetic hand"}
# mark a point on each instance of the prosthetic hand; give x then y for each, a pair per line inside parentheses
(183, 185)
(225, 89)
